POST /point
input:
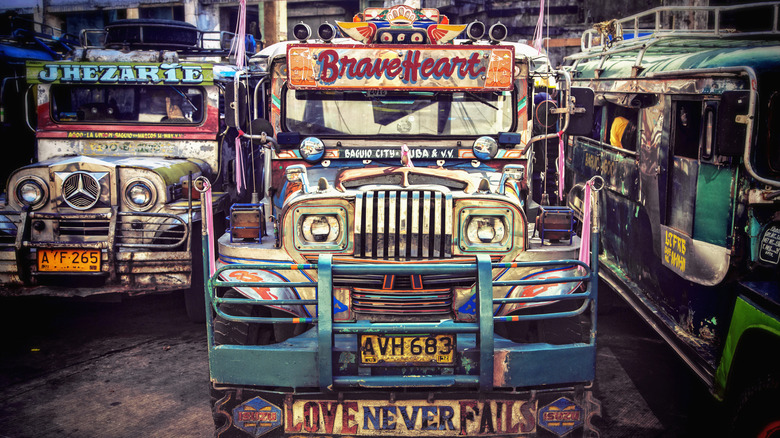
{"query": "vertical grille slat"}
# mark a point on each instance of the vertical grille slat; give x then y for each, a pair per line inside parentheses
(405, 224)
(369, 240)
(381, 219)
(403, 227)
(416, 229)
(360, 219)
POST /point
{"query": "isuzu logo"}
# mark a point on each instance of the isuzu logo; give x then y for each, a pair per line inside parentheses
(81, 190)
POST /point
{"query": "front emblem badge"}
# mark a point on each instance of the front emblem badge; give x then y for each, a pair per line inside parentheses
(561, 416)
(81, 190)
(257, 417)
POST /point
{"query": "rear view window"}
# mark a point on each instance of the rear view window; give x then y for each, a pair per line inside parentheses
(142, 104)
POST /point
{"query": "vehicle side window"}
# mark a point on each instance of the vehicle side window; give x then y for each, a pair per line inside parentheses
(686, 127)
(616, 126)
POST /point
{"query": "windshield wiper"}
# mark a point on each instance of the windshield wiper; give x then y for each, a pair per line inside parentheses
(481, 99)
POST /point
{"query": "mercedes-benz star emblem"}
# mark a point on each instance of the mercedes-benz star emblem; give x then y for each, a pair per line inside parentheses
(81, 190)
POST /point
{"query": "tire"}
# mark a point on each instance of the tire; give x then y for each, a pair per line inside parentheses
(756, 414)
(241, 333)
(195, 295)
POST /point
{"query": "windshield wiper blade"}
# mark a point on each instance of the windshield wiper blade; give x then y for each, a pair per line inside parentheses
(481, 99)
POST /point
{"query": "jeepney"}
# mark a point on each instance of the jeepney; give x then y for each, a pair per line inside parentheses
(122, 130)
(390, 283)
(685, 136)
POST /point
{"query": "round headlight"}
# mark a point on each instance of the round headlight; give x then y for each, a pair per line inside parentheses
(312, 149)
(139, 195)
(31, 191)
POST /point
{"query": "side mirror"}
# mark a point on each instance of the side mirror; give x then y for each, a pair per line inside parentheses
(732, 123)
(581, 122)
(237, 105)
(259, 126)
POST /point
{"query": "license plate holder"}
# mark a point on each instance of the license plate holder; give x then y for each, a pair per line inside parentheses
(403, 350)
(68, 260)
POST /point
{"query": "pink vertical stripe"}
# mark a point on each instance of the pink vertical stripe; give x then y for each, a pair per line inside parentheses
(561, 164)
(208, 222)
(585, 241)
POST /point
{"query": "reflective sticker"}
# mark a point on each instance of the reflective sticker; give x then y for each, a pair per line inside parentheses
(561, 416)
(257, 417)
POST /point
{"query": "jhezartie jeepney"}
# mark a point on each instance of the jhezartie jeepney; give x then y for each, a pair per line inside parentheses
(686, 138)
(122, 130)
(389, 283)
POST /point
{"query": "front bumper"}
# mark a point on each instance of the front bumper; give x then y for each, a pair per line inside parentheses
(320, 369)
(139, 252)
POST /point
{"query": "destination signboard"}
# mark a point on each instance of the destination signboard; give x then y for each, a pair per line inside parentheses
(466, 67)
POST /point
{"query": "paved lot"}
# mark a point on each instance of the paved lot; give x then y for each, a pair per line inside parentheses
(139, 368)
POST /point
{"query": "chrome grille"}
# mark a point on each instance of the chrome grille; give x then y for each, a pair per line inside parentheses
(402, 302)
(86, 227)
(403, 224)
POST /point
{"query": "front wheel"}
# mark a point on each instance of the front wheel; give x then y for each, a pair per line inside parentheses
(195, 295)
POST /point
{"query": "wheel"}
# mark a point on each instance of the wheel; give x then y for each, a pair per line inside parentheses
(756, 414)
(195, 295)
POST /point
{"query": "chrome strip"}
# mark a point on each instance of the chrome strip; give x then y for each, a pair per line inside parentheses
(369, 236)
(437, 220)
(390, 249)
(359, 237)
(404, 218)
(415, 247)
(426, 225)
(381, 219)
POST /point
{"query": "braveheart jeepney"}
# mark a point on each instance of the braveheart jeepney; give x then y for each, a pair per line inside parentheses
(390, 284)
(122, 130)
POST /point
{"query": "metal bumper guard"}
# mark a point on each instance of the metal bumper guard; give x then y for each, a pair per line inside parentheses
(317, 362)
(140, 251)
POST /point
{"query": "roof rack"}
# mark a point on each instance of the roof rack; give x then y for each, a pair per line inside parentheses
(671, 21)
(151, 34)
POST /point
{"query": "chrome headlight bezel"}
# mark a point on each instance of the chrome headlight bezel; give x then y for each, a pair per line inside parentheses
(486, 229)
(139, 187)
(37, 184)
(320, 228)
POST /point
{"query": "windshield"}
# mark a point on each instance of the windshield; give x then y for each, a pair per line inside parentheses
(382, 112)
(142, 104)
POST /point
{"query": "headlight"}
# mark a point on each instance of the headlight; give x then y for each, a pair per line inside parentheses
(139, 195)
(320, 228)
(32, 191)
(486, 229)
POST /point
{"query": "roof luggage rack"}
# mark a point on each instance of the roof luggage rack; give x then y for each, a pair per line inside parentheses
(155, 34)
(677, 22)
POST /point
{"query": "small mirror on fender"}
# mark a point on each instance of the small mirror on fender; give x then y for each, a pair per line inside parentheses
(258, 127)
(731, 127)
(237, 105)
(581, 122)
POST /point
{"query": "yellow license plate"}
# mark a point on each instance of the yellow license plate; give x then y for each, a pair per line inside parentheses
(423, 349)
(68, 260)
